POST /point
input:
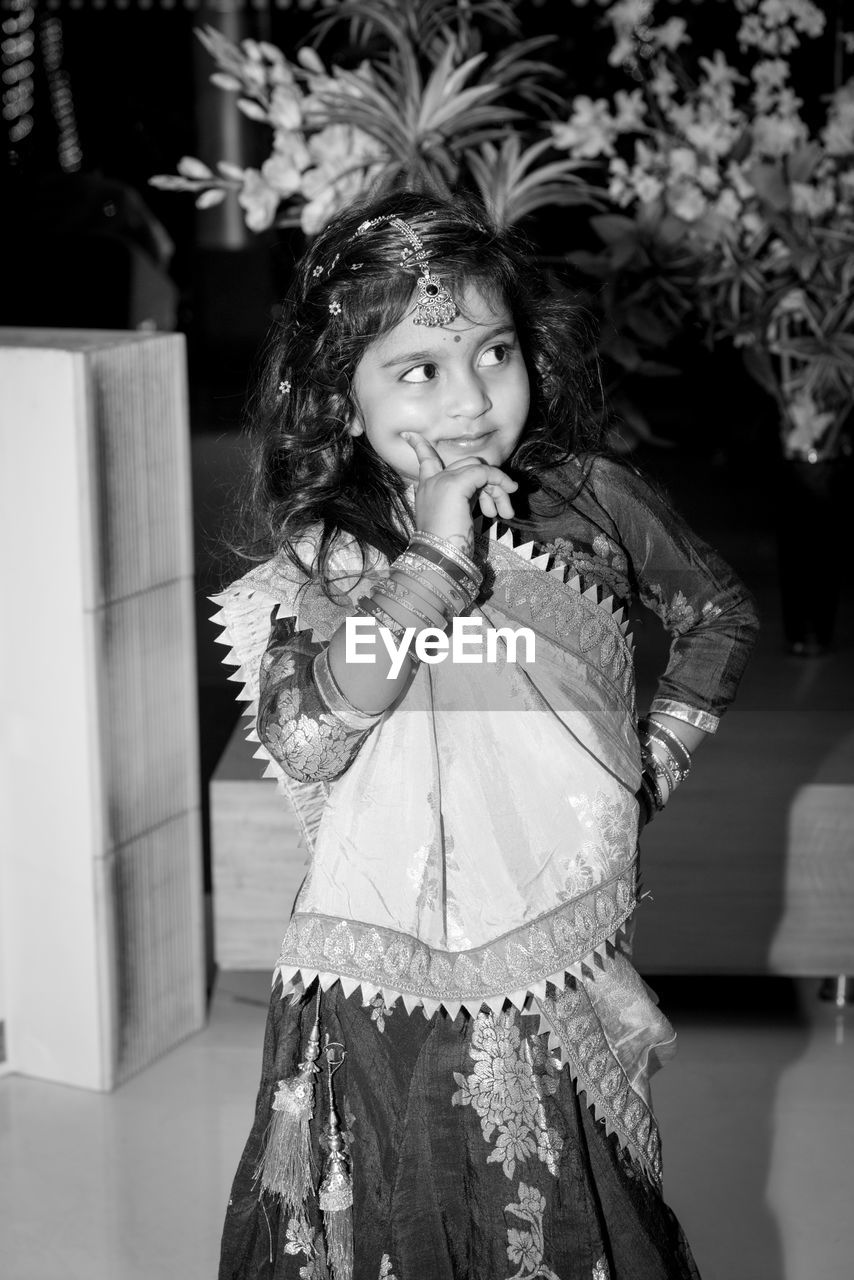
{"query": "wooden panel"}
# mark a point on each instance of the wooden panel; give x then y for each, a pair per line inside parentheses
(718, 863)
(258, 863)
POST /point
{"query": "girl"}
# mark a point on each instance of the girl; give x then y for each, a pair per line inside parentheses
(456, 1065)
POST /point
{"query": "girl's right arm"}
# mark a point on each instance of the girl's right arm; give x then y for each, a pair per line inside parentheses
(315, 708)
(443, 507)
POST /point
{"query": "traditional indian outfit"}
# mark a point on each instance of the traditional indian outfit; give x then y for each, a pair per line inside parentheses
(468, 907)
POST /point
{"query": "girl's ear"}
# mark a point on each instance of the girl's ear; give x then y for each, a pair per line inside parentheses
(356, 427)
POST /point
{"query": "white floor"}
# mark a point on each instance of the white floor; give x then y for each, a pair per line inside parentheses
(757, 1116)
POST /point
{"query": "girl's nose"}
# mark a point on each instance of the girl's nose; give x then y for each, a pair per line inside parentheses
(467, 395)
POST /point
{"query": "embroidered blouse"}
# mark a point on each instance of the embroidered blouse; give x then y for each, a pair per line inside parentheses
(616, 533)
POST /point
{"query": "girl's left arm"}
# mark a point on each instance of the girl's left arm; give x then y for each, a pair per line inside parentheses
(699, 599)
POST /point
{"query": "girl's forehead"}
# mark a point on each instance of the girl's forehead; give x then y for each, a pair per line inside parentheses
(480, 312)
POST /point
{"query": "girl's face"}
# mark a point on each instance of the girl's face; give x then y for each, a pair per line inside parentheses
(463, 386)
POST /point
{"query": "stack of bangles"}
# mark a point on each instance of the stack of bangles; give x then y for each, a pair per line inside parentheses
(433, 605)
(665, 765)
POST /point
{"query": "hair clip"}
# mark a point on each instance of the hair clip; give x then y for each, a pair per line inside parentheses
(335, 307)
(356, 266)
(284, 387)
(318, 271)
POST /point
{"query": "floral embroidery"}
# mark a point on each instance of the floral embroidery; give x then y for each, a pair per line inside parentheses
(601, 1271)
(298, 1240)
(285, 664)
(386, 1272)
(286, 704)
(612, 823)
(525, 1248)
(607, 564)
(380, 1011)
(310, 747)
(677, 614)
(578, 874)
(506, 1089)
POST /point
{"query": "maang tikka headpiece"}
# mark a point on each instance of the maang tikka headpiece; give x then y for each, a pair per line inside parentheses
(434, 304)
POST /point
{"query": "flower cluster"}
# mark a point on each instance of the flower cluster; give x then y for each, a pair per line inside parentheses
(724, 158)
(315, 166)
(428, 109)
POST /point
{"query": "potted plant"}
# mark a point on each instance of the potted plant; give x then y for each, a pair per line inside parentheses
(421, 105)
(728, 160)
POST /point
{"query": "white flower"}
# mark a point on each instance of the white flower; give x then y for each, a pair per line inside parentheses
(618, 184)
(737, 179)
(706, 126)
(292, 146)
(728, 206)
(687, 202)
(770, 73)
(259, 200)
(814, 201)
(663, 84)
(285, 111)
(590, 130)
(778, 135)
(838, 135)
(630, 110)
(808, 424)
(719, 73)
(670, 35)
(683, 163)
(282, 175)
(648, 188)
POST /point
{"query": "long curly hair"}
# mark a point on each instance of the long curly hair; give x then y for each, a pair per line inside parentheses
(354, 284)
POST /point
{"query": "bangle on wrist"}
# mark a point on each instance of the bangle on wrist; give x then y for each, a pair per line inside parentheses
(405, 602)
(405, 592)
(426, 590)
(465, 574)
(411, 561)
(671, 742)
(447, 548)
(336, 701)
(369, 608)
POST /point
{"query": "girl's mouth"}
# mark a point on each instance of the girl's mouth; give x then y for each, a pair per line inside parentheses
(467, 443)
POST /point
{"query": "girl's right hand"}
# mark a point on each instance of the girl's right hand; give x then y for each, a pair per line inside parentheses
(444, 495)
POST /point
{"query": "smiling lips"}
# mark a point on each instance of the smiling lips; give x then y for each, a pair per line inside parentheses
(467, 442)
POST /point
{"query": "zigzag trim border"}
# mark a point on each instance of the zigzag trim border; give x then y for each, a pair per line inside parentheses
(503, 535)
(296, 979)
(307, 799)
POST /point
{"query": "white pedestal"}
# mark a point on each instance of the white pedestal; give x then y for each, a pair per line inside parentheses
(100, 869)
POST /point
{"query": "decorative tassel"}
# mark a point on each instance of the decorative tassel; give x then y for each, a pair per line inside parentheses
(336, 1190)
(285, 1166)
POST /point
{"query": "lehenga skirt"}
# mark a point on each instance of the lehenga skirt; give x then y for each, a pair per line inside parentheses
(473, 1158)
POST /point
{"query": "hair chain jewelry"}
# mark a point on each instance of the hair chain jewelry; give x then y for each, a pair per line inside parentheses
(434, 304)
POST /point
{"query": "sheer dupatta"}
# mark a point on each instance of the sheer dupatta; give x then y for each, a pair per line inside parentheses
(482, 846)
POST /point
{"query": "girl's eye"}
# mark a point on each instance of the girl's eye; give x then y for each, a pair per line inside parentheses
(421, 373)
(499, 354)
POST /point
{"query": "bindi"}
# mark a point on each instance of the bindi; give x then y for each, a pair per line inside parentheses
(457, 337)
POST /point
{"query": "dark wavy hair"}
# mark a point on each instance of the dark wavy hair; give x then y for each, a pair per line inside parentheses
(306, 468)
